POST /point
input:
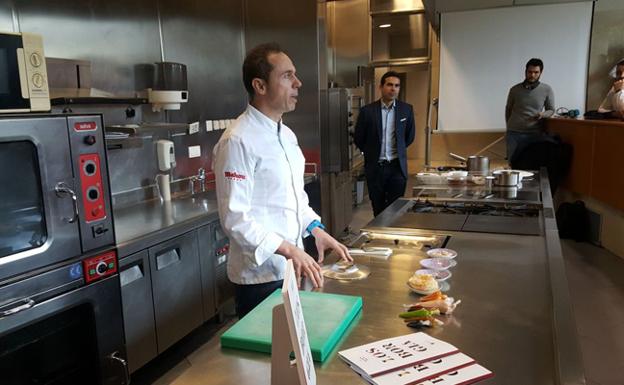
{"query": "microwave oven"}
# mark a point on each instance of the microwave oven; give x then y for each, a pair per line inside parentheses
(23, 74)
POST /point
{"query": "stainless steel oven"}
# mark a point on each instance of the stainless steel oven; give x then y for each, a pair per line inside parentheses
(54, 191)
(58, 329)
(60, 302)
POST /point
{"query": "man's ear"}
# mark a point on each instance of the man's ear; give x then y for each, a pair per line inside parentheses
(259, 86)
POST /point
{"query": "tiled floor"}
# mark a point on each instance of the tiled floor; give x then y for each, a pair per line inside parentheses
(596, 280)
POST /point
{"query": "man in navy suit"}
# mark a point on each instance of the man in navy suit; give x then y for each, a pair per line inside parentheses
(383, 131)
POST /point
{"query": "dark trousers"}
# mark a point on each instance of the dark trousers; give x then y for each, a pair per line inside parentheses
(386, 184)
(249, 296)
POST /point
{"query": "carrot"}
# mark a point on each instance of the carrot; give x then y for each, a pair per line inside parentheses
(432, 297)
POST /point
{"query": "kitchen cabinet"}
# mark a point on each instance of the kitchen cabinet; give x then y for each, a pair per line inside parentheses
(207, 262)
(138, 309)
(176, 288)
(224, 289)
(173, 276)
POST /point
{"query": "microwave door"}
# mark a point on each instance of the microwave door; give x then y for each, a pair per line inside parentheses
(12, 96)
(37, 210)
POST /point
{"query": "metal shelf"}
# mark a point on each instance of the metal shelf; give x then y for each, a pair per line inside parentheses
(97, 100)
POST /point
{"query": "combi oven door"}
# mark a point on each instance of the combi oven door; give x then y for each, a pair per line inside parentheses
(56, 329)
(38, 206)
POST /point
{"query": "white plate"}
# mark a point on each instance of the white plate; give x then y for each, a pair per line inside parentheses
(438, 275)
(438, 263)
(423, 292)
(442, 253)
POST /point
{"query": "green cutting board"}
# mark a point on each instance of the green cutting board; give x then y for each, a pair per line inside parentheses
(326, 316)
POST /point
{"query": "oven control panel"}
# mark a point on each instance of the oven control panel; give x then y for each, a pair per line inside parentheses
(91, 182)
(91, 177)
(100, 266)
(221, 253)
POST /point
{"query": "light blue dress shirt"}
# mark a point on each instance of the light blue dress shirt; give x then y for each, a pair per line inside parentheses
(388, 132)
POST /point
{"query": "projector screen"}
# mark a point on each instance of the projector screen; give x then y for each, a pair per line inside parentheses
(483, 54)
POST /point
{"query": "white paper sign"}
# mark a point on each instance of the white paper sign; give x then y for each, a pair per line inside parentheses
(296, 326)
(425, 370)
(391, 354)
(464, 376)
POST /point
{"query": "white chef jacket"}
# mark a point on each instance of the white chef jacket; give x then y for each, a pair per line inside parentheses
(260, 194)
(614, 101)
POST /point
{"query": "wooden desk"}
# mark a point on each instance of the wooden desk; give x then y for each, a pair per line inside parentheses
(597, 168)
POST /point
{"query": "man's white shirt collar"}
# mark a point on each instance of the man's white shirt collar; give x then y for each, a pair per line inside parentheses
(264, 120)
(389, 106)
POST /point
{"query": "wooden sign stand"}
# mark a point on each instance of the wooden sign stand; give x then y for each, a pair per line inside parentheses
(283, 370)
(290, 335)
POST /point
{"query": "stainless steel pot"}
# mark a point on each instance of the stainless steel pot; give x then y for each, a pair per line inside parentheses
(478, 165)
(475, 164)
(507, 178)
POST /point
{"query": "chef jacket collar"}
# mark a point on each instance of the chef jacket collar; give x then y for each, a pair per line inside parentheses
(613, 72)
(263, 120)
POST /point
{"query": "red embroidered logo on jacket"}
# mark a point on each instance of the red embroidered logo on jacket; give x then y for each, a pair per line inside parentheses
(234, 176)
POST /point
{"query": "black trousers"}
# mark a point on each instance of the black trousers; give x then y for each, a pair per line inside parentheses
(249, 296)
(386, 184)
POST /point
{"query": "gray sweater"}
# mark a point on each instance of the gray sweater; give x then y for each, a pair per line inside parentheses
(523, 105)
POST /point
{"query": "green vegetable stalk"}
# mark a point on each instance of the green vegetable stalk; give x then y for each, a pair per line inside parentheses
(420, 313)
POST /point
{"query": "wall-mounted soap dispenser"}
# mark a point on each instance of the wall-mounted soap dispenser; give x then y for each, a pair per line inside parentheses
(166, 160)
(166, 155)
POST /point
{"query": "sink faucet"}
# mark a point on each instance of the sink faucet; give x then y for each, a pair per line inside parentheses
(201, 175)
(201, 178)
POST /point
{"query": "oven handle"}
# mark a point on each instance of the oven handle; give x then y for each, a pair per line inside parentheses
(27, 303)
(62, 190)
(114, 356)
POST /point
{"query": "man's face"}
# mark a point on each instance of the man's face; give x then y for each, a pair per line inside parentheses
(619, 71)
(282, 88)
(390, 89)
(533, 74)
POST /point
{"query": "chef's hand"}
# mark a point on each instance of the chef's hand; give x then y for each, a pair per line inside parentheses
(302, 262)
(618, 85)
(325, 241)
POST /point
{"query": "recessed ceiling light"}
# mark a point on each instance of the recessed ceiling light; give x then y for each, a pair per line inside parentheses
(385, 25)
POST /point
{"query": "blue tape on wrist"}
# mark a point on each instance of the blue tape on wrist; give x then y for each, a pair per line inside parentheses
(314, 224)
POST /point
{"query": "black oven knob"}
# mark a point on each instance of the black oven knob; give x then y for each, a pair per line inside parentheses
(89, 140)
(101, 268)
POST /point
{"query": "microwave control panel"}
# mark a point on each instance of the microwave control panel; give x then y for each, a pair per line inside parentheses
(32, 61)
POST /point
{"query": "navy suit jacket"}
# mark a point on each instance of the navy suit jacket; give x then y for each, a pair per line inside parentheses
(368, 131)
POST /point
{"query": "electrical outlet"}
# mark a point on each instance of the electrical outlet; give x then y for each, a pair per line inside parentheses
(194, 151)
(208, 125)
(193, 128)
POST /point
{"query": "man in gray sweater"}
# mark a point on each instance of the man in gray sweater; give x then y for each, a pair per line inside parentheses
(527, 103)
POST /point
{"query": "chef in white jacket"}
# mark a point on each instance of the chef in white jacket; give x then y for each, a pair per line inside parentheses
(613, 103)
(259, 171)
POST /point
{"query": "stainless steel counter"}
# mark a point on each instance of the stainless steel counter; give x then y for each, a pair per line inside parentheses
(515, 317)
(145, 224)
(504, 321)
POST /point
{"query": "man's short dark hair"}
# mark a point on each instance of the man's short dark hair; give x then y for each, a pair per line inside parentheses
(389, 74)
(620, 63)
(256, 64)
(535, 62)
